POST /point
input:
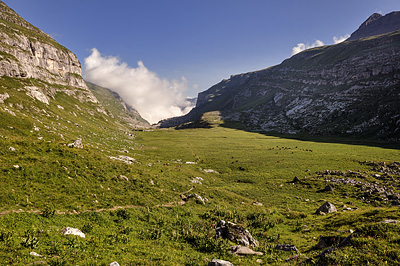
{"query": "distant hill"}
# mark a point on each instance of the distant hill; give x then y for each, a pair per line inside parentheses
(352, 88)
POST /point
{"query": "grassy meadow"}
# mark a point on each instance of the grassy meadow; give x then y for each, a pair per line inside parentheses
(134, 213)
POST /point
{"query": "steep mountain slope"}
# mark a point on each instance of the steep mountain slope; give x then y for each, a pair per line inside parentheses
(377, 24)
(43, 93)
(116, 107)
(349, 88)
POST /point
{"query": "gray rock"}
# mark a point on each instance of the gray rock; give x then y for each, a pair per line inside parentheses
(242, 250)
(12, 149)
(72, 231)
(33, 253)
(76, 144)
(286, 247)
(218, 262)
(327, 207)
(114, 263)
(390, 221)
(198, 198)
(235, 233)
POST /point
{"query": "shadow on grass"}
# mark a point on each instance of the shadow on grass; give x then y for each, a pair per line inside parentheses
(363, 140)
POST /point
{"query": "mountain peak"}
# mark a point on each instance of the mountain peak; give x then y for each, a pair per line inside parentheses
(377, 24)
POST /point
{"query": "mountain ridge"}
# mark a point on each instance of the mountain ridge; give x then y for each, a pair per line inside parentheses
(377, 24)
(350, 88)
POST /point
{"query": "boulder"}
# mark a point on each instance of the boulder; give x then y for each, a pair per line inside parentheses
(76, 144)
(241, 250)
(286, 247)
(235, 233)
(218, 262)
(327, 207)
(328, 188)
(72, 231)
(296, 179)
(12, 149)
(114, 263)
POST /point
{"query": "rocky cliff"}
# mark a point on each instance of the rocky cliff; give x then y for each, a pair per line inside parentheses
(349, 88)
(42, 91)
(377, 24)
(27, 52)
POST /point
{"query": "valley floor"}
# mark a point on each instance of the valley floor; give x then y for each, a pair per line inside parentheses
(181, 184)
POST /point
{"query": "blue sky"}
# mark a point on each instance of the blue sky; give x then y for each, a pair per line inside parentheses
(204, 41)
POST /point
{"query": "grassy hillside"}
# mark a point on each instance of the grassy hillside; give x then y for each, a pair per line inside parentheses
(134, 213)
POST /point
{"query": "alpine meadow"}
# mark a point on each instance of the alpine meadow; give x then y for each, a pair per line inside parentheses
(296, 164)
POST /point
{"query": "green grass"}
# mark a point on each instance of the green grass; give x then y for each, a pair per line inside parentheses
(133, 213)
(251, 168)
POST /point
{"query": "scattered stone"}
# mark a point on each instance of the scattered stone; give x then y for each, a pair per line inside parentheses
(390, 221)
(286, 247)
(329, 188)
(16, 166)
(259, 261)
(124, 178)
(197, 180)
(257, 204)
(327, 207)
(151, 182)
(235, 233)
(198, 198)
(4, 97)
(12, 149)
(218, 262)
(210, 171)
(76, 144)
(123, 158)
(72, 231)
(114, 263)
(33, 253)
(190, 163)
(241, 250)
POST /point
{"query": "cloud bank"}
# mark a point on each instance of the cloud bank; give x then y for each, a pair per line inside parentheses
(153, 97)
(303, 46)
(340, 39)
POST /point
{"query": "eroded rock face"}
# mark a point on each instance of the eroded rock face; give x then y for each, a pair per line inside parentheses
(35, 54)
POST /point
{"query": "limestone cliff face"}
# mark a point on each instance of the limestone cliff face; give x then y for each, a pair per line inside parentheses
(27, 52)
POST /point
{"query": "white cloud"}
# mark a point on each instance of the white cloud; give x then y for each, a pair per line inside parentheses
(153, 97)
(302, 46)
(340, 39)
